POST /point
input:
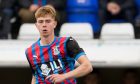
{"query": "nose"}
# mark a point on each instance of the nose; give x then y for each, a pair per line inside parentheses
(44, 24)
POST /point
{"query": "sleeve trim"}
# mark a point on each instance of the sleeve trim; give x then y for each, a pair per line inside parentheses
(78, 55)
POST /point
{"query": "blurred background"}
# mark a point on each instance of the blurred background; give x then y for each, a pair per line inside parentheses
(108, 31)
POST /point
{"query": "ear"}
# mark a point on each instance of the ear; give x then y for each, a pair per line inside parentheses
(36, 25)
(55, 24)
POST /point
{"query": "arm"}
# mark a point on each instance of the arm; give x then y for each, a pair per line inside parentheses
(33, 80)
(33, 72)
(85, 67)
(33, 7)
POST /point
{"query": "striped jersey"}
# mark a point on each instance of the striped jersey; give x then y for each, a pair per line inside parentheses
(51, 59)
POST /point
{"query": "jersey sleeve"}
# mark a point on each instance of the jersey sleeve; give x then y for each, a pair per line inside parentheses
(73, 49)
(33, 72)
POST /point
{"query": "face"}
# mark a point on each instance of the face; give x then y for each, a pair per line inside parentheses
(46, 25)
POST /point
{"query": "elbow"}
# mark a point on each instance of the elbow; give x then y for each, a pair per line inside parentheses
(88, 68)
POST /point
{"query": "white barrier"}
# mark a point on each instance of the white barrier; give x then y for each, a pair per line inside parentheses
(101, 53)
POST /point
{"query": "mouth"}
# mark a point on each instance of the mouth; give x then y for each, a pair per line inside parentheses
(44, 30)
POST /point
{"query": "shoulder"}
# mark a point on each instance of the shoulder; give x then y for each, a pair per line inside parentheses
(71, 41)
(63, 39)
(29, 49)
(73, 48)
(68, 40)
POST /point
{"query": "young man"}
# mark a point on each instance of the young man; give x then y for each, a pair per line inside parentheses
(51, 58)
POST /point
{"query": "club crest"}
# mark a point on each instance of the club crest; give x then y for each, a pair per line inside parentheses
(56, 50)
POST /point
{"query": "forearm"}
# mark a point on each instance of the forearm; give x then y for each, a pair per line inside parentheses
(82, 70)
(33, 80)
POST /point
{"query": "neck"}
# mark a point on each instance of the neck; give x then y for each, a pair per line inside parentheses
(46, 40)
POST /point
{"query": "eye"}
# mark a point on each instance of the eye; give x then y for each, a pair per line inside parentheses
(40, 21)
(47, 21)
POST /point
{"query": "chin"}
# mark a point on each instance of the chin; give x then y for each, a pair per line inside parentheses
(45, 36)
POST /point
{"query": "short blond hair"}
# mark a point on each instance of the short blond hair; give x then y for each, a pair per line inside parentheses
(46, 10)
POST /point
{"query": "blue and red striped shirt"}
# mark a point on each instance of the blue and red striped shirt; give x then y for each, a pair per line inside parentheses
(51, 59)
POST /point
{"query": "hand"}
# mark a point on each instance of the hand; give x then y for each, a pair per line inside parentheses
(56, 78)
(33, 7)
(113, 8)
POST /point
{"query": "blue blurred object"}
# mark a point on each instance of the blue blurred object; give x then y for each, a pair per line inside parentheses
(84, 11)
(82, 5)
(137, 18)
(138, 5)
(91, 18)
